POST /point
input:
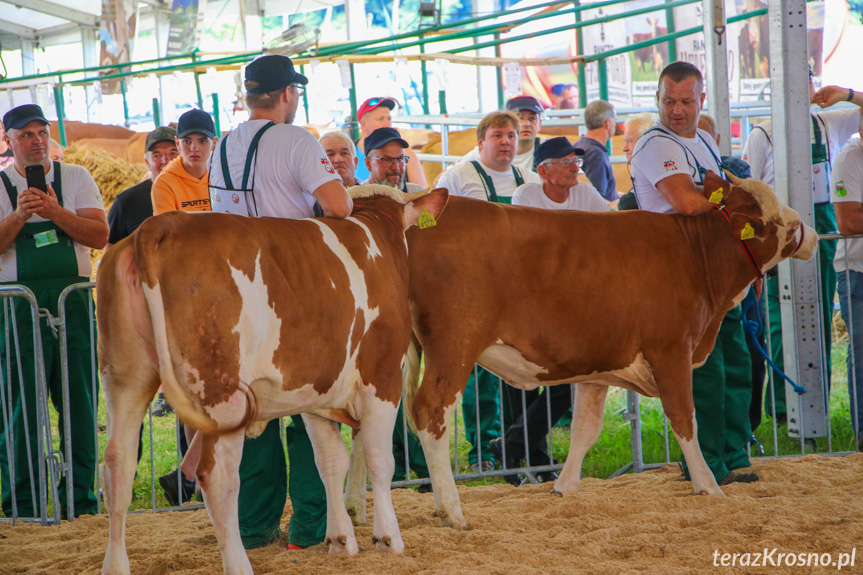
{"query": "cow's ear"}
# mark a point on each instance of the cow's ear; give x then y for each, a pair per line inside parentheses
(425, 210)
(712, 184)
(747, 228)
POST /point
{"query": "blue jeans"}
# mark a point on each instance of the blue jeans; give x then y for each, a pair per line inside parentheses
(851, 286)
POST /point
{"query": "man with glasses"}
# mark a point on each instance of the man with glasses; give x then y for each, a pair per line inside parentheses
(376, 113)
(557, 162)
(386, 160)
(286, 172)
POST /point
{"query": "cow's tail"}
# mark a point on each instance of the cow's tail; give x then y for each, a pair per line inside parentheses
(147, 241)
(411, 378)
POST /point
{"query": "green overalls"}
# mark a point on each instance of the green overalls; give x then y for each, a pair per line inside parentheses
(825, 223)
(722, 386)
(264, 479)
(47, 264)
(482, 387)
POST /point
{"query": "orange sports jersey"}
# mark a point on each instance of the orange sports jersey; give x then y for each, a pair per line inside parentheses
(177, 190)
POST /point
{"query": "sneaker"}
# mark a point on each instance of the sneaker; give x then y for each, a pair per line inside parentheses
(169, 486)
(292, 547)
(734, 477)
(161, 407)
(425, 488)
(860, 442)
(545, 476)
(482, 466)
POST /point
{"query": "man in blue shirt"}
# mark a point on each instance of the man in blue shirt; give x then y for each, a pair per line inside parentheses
(601, 122)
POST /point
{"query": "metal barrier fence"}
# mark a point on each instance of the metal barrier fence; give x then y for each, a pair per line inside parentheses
(55, 461)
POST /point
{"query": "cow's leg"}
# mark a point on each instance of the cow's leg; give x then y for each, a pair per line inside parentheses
(587, 414)
(377, 436)
(355, 490)
(125, 408)
(435, 441)
(331, 458)
(218, 474)
(678, 405)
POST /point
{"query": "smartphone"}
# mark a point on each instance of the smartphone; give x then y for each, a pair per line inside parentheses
(36, 177)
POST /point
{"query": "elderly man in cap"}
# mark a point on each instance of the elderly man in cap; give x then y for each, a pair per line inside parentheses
(375, 113)
(529, 111)
(386, 160)
(292, 175)
(342, 153)
(182, 185)
(601, 122)
(45, 240)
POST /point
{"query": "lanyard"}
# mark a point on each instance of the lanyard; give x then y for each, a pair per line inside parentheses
(489, 184)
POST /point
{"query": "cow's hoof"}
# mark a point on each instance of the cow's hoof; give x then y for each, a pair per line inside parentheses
(448, 520)
(342, 545)
(387, 544)
(555, 492)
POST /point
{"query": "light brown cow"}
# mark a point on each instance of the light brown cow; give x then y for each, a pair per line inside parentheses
(526, 294)
(247, 319)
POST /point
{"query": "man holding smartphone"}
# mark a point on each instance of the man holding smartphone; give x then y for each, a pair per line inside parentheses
(51, 214)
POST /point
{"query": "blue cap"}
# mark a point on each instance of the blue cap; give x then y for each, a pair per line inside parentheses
(272, 72)
(557, 89)
(520, 103)
(17, 118)
(196, 122)
(555, 148)
(381, 137)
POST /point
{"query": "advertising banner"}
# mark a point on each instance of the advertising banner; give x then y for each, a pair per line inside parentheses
(186, 26)
(116, 32)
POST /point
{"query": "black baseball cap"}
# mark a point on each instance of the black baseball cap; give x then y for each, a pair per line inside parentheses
(272, 72)
(17, 118)
(520, 103)
(160, 134)
(555, 148)
(382, 137)
(196, 122)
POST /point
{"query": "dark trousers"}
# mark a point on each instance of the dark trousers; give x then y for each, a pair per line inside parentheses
(535, 420)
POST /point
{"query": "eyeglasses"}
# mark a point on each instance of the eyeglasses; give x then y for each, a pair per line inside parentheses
(391, 161)
(299, 88)
(568, 163)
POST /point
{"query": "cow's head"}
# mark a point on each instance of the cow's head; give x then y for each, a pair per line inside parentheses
(772, 230)
(418, 208)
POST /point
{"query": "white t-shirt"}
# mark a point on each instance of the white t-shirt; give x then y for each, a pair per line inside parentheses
(291, 163)
(582, 196)
(523, 162)
(463, 180)
(658, 155)
(847, 186)
(79, 192)
(839, 125)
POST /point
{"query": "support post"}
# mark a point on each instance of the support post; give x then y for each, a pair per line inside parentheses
(669, 24)
(582, 73)
(157, 113)
(216, 120)
(499, 70)
(125, 103)
(352, 92)
(305, 96)
(792, 157)
(61, 112)
(715, 40)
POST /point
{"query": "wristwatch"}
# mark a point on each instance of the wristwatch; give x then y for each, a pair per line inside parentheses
(850, 95)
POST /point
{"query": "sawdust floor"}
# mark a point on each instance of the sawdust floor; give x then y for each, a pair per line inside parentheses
(650, 523)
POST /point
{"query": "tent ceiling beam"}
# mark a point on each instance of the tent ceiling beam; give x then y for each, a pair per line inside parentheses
(18, 30)
(45, 7)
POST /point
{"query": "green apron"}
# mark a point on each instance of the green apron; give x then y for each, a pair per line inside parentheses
(47, 264)
(825, 223)
(482, 390)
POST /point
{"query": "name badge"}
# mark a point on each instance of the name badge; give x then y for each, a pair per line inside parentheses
(45, 238)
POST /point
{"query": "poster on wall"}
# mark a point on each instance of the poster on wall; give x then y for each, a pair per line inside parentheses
(605, 37)
(116, 32)
(186, 26)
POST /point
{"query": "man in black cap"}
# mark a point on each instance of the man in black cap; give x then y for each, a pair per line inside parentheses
(386, 160)
(45, 240)
(277, 170)
(183, 184)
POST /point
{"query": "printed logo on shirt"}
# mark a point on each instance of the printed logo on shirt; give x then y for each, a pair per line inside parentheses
(840, 189)
(669, 166)
(328, 166)
(235, 198)
(816, 170)
(194, 203)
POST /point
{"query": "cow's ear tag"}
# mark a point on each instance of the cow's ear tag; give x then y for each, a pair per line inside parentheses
(716, 197)
(426, 220)
(748, 232)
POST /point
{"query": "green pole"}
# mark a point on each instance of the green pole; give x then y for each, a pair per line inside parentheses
(61, 112)
(582, 74)
(499, 71)
(441, 98)
(125, 102)
(424, 74)
(218, 123)
(669, 23)
(603, 88)
(198, 83)
(305, 95)
(355, 125)
(157, 114)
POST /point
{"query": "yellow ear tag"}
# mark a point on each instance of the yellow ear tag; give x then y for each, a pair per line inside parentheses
(716, 197)
(426, 220)
(748, 232)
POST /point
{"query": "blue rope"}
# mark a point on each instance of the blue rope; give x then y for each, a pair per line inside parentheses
(753, 328)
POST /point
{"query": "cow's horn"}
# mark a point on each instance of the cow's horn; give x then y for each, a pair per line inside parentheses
(734, 179)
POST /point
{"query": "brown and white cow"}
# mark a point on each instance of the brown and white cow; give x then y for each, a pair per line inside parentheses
(542, 297)
(243, 320)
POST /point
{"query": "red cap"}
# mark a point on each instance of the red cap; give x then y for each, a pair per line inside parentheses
(373, 103)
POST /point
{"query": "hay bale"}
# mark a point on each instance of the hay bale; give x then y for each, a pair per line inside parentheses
(111, 174)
